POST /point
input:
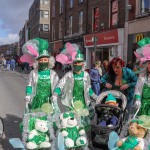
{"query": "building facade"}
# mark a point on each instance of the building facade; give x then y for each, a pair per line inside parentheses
(69, 23)
(39, 16)
(138, 25)
(105, 38)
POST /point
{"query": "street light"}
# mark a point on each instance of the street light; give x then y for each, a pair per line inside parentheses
(94, 40)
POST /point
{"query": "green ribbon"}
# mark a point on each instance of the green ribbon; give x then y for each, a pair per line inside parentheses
(144, 42)
(28, 90)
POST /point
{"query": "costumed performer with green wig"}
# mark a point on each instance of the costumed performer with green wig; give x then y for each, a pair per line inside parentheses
(42, 80)
(74, 89)
(142, 89)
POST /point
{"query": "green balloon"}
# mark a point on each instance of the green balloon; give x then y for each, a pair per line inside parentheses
(78, 105)
(47, 108)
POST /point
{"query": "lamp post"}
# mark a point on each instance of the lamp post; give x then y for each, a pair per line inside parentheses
(94, 40)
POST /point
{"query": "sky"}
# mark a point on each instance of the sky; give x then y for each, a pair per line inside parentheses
(13, 14)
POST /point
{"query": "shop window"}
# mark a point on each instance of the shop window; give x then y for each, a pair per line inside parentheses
(95, 19)
(81, 21)
(70, 25)
(114, 13)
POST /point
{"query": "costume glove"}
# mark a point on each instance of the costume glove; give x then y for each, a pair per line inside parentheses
(28, 98)
(137, 104)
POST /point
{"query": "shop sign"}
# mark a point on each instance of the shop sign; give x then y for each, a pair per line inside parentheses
(102, 38)
(139, 37)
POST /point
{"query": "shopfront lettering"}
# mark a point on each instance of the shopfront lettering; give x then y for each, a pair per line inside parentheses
(109, 38)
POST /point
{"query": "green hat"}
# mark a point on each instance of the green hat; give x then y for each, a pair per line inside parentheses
(110, 98)
(42, 48)
(79, 56)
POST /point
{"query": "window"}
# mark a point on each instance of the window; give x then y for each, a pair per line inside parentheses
(41, 27)
(61, 6)
(46, 1)
(42, 13)
(144, 6)
(71, 3)
(46, 14)
(96, 19)
(60, 29)
(53, 31)
(114, 13)
(70, 25)
(81, 21)
(53, 9)
(80, 1)
(45, 27)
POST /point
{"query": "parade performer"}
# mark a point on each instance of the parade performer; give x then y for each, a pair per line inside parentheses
(42, 80)
(142, 90)
(74, 88)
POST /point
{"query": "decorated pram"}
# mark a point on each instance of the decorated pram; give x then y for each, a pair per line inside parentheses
(100, 134)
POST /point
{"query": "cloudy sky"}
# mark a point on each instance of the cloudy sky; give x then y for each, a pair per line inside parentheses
(13, 14)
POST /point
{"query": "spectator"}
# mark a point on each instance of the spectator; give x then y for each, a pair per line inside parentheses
(8, 64)
(13, 64)
(100, 67)
(95, 79)
(105, 66)
(121, 79)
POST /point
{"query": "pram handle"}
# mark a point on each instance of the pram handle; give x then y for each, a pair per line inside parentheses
(116, 94)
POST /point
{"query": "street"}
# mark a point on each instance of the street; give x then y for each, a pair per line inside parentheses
(12, 92)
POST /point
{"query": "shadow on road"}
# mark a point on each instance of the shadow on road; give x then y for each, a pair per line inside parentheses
(11, 130)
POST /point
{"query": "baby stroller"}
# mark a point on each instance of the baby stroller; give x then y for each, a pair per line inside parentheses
(99, 134)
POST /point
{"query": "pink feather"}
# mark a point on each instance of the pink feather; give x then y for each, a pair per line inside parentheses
(71, 50)
(32, 51)
(146, 51)
(27, 58)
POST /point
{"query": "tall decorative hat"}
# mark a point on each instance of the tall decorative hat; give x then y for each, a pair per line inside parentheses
(110, 98)
(143, 53)
(79, 56)
(34, 49)
(69, 54)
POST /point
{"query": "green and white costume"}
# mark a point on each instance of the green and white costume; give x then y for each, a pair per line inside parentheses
(131, 142)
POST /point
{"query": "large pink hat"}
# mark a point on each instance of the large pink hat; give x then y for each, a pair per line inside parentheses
(143, 53)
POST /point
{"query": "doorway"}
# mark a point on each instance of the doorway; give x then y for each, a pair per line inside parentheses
(102, 54)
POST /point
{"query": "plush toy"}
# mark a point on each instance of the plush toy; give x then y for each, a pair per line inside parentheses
(38, 138)
(73, 135)
(135, 139)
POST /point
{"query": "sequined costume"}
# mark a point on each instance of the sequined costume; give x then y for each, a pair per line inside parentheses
(42, 84)
(142, 93)
(76, 87)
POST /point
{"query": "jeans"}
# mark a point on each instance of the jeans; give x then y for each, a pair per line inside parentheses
(96, 87)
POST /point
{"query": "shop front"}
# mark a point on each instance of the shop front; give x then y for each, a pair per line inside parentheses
(104, 46)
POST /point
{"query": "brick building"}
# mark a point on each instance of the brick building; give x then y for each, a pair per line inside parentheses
(138, 25)
(39, 16)
(68, 23)
(97, 26)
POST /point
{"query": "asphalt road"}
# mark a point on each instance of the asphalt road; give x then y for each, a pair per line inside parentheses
(12, 92)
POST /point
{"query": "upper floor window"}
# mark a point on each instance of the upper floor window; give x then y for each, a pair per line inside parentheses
(45, 27)
(144, 6)
(61, 6)
(60, 29)
(114, 12)
(44, 1)
(44, 14)
(95, 19)
(53, 8)
(81, 21)
(71, 3)
(40, 27)
(80, 1)
(70, 25)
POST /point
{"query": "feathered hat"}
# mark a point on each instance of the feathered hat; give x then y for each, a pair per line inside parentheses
(143, 53)
(69, 54)
(34, 49)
